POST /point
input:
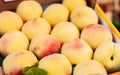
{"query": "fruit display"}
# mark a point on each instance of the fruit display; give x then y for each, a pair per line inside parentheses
(62, 39)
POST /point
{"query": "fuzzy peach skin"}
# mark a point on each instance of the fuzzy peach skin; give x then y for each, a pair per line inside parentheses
(56, 64)
(44, 45)
(77, 50)
(9, 21)
(13, 41)
(1, 71)
(55, 13)
(15, 62)
(89, 67)
(36, 26)
(72, 4)
(108, 54)
(83, 16)
(64, 31)
(96, 34)
(29, 9)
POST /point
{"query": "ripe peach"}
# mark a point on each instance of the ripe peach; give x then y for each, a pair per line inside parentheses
(65, 31)
(108, 55)
(9, 21)
(72, 4)
(56, 64)
(89, 67)
(36, 26)
(15, 62)
(1, 71)
(77, 50)
(29, 9)
(43, 45)
(55, 13)
(83, 16)
(96, 34)
(13, 41)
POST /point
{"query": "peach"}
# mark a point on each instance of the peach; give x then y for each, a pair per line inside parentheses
(15, 62)
(9, 21)
(89, 67)
(83, 16)
(36, 26)
(1, 71)
(77, 50)
(43, 45)
(13, 41)
(72, 4)
(55, 13)
(108, 54)
(65, 31)
(56, 64)
(29, 9)
(96, 34)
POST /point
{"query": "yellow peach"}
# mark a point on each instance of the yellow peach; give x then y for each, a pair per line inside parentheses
(89, 67)
(55, 13)
(83, 16)
(15, 62)
(43, 45)
(64, 31)
(108, 55)
(29, 9)
(56, 64)
(13, 41)
(36, 26)
(77, 50)
(72, 4)
(96, 34)
(9, 21)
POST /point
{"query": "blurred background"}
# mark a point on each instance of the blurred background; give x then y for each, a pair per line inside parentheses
(112, 10)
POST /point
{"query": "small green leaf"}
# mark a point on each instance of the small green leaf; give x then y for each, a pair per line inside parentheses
(33, 70)
(25, 69)
(35, 65)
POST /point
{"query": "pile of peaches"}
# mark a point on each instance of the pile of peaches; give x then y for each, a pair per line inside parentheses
(63, 39)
